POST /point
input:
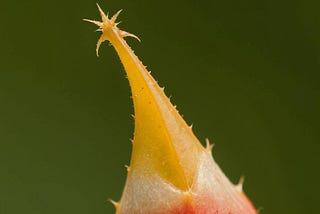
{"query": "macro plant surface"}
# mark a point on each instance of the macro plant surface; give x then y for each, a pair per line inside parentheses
(170, 171)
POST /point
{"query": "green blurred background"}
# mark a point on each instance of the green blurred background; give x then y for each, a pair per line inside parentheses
(245, 73)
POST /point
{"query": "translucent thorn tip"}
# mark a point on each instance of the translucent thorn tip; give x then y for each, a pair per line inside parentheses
(93, 21)
(209, 146)
(239, 186)
(115, 204)
(104, 17)
(115, 16)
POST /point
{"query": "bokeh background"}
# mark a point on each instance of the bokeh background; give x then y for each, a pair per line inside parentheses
(245, 73)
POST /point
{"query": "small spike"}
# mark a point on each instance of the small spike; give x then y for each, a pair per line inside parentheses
(126, 34)
(127, 167)
(239, 186)
(101, 39)
(93, 21)
(209, 146)
(115, 204)
(115, 16)
(104, 17)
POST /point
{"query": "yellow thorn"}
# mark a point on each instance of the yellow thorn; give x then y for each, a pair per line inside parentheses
(104, 17)
(115, 16)
(126, 34)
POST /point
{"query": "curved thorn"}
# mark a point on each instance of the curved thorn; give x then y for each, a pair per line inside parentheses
(98, 45)
(126, 34)
(115, 204)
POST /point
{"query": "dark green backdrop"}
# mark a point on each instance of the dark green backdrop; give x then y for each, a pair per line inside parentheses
(245, 73)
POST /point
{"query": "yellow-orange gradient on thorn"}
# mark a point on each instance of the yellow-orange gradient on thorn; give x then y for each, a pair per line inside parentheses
(170, 171)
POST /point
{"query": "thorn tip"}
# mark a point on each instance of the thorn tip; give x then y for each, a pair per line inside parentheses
(107, 26)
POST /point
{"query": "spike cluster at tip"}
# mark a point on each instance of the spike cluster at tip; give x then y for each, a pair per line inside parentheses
(109, 24)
